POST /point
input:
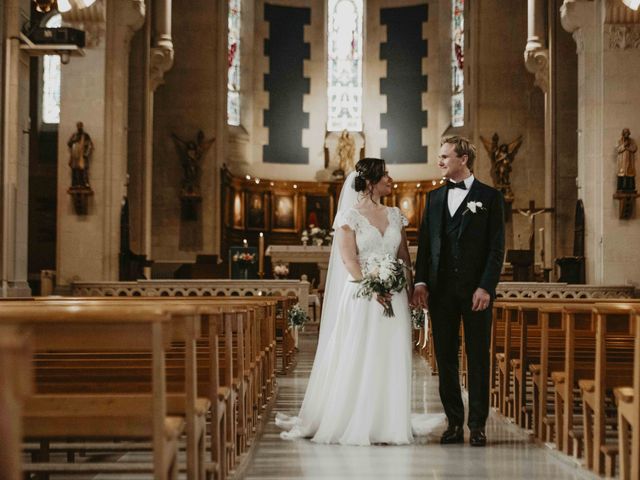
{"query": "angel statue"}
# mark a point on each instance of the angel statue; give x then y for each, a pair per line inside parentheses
(191, 155)
(502, 156)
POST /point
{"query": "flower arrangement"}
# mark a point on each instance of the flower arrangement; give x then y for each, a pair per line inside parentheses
(317, 235)
(418, 318)
(383, 274)
(244, 259)
(280, 270)
(297, 316)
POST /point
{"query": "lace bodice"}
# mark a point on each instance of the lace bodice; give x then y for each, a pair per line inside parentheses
(370, 239)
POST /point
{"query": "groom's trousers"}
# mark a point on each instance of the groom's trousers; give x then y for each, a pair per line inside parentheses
(446, 308)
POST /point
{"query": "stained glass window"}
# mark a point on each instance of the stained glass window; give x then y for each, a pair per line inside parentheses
(457, 63)
(51, 81)
(345, 43)
(233, 84)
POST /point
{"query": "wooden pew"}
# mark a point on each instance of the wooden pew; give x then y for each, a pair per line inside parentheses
(628, 403)
(181, 369)
(223, 451)
(116, 415)
(16, 384)
(613, 368)
(496, 347)
(552, 352)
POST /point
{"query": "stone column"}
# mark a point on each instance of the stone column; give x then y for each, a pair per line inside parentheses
(536, 59)
(606, 35)
(95, 91)
(15, 152)
(160, 61)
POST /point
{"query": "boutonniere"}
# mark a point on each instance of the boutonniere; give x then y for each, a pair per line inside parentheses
(474, 207)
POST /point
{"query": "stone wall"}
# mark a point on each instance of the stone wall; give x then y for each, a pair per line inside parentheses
(507, 102)
(608, 62)
(246, 143)
(189, 101)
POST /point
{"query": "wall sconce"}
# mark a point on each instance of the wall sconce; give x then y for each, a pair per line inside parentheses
(632, 4)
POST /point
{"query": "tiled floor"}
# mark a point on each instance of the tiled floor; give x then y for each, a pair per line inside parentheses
(508, 455)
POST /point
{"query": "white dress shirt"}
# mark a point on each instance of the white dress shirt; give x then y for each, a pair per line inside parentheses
(455, 196)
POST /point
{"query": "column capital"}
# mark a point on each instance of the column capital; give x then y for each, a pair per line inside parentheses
(536, 60)
(160, 61)
(575, 14)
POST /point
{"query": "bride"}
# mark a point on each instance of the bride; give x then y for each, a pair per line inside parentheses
(359, 391)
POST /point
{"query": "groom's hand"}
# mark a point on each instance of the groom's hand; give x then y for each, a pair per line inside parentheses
(420, 296)
(480, 300)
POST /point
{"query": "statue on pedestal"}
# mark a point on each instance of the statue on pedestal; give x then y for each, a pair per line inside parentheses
(502, 156)
(342, 151)
(626, 151)
(80, 150)
(346, 154)
(191, 155)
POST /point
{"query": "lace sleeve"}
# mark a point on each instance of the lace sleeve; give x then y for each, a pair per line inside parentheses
(402, 220)
(348, 218)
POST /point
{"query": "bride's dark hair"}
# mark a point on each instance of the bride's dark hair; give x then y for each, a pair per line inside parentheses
(371, 169)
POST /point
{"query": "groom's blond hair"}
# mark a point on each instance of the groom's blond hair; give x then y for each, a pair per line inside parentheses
(462, 146)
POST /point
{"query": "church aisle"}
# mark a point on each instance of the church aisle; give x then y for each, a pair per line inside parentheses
(508, 455)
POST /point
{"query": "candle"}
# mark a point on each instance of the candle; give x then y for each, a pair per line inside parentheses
(541, 247)
(245, 244)
(261, 255)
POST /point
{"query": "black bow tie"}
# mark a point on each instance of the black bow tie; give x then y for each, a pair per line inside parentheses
(451, 184)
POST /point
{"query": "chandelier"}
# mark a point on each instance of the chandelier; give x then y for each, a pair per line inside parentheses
(45, 6)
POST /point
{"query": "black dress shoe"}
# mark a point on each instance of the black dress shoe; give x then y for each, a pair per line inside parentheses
(477, 438)
(453, 434)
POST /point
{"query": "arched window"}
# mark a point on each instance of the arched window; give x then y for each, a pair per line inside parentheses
(345, 42)
(51, 81)
(457, 63)
(233, 84)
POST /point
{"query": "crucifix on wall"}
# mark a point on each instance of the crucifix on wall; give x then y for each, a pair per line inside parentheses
(531, 213)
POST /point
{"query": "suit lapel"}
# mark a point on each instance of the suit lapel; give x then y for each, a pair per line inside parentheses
(439, 200)
(473, 196)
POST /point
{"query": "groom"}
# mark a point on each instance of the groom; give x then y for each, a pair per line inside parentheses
(460, 255)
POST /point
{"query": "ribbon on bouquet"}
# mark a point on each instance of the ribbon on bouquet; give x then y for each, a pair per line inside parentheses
(422, 339)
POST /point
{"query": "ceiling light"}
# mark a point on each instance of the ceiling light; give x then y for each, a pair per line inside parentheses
(632, 4)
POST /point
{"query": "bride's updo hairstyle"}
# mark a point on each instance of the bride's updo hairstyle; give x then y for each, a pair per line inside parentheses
(371, 169)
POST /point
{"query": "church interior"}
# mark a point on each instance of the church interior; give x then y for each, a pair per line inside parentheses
(194, 152)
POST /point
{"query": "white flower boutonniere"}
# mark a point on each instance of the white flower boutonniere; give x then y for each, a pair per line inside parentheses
(474, 207)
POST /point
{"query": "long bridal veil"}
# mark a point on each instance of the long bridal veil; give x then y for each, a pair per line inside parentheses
(301, 426)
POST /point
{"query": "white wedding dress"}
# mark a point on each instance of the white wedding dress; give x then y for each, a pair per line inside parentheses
(359, 391)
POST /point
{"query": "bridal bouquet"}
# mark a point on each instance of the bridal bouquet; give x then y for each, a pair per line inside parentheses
(383, 274)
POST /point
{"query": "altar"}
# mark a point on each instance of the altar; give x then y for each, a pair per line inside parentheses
(286, 254)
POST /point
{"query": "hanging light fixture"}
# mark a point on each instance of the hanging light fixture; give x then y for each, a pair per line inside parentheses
(45, 6)
(632, 4)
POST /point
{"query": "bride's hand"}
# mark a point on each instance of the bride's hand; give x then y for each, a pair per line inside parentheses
(383, 299)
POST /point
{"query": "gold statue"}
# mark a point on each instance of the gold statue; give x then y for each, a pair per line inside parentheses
(502, 156)
(346, 153)
(626, 151)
